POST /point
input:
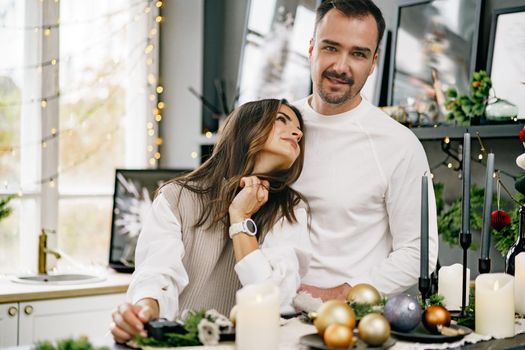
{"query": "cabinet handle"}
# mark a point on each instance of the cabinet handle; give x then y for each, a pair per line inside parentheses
(12, 311)
(28, 310)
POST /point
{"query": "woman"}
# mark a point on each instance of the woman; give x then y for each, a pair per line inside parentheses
(231, 222)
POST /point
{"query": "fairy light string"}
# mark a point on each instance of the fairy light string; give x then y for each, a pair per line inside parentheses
(153, 89)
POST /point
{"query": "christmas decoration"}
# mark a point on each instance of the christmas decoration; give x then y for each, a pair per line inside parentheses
(338, 336)
(462, 108)
(374, 329)
(435, 316)
(500, 219)
(334, 311)
(519, 185)
(364, 293)
(403, 312)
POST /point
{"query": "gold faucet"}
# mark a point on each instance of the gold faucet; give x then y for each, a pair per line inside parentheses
(43, 251)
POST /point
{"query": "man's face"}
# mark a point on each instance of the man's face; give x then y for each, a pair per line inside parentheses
(342, 56)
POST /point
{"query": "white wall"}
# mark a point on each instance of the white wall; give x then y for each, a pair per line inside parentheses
(181, 67)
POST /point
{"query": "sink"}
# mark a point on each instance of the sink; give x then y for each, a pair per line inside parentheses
(65, 278)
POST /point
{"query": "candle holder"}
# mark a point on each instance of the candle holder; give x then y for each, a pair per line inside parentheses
(424, 288)
(484, 265)
(465, 239)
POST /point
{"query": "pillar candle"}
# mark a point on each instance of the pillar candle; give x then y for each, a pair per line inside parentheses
(258, 317)
(465, 217)
(449, 285)
(495, 305)
(424, 228)
(519, 283)
(487, 207)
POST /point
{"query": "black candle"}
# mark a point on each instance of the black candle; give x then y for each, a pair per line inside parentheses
(465, 217)
(424, 227)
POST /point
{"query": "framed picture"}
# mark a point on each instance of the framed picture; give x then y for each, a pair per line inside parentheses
(372, 88)
(434, 47)
(505, 61)
(134, 193)
(275, 51)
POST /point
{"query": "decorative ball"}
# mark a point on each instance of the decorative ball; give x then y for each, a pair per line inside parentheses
(403, 312)
(233, 314)
(334, 311)
(374, 329)
(338, 336)
(522, 135)
(434, 316)
(364, 293)
(500, 219)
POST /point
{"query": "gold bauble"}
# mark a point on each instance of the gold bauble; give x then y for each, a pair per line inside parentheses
(374, 329)
(334, 311)
(364, 293)
(233, 315)
(338, 336)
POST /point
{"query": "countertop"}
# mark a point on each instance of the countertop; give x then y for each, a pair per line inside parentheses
(10, 291)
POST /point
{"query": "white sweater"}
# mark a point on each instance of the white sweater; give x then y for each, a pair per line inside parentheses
(362, 178)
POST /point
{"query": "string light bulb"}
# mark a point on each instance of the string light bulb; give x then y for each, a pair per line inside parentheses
(151, 132)
(53, 131)
(47, 31)
(53, 61)
(150, 148)
(209, 134)
(159, 19)
(158, 4)
(157, 155)
(160, 89)
(159, 141)
(152, 161)
(194, 155)
(480, 156)
(161, 105)
(43, 103)
(158, 117)
(148, 49)
(449, 165)
(149, 125)
(51, 183)
(447, 139)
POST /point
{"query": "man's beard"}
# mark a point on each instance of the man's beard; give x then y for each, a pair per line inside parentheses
(336, 98)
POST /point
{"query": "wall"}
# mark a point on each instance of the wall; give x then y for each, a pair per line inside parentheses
(181, 67)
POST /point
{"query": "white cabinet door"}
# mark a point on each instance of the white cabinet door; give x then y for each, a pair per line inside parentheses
(62, 318)
(8, 324)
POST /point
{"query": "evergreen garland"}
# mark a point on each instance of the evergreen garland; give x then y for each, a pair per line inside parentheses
(5, 210)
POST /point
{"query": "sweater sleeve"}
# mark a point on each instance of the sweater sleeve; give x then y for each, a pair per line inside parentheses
(283, 258)
(159, 272)
(400, 270)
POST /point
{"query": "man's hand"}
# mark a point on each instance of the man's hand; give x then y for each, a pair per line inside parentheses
(339, 292)
(129, 319)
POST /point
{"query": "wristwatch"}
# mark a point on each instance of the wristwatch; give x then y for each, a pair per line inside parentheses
(247, 226)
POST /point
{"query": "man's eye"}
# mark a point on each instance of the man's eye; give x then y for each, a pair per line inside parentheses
(359, 54)
(330, 48)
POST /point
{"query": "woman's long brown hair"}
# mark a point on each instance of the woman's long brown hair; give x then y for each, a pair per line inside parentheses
(217, 180)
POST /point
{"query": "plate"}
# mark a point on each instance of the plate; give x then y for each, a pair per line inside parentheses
(421, 335)
(314, 341)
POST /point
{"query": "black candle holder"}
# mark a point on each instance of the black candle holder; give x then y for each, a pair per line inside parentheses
(424, 288)
(484, 265)
(465, 239)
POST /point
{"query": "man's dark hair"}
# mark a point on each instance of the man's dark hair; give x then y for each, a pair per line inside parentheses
(353, 8)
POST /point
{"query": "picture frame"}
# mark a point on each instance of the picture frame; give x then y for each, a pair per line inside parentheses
(373, 86)
(430, 53)
(133, 194)
(505, 63)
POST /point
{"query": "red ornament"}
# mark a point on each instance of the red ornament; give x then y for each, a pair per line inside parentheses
(500, 219)
(522, 135)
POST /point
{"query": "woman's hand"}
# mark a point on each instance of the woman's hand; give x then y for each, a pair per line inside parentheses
(249, 200)
(129, 320)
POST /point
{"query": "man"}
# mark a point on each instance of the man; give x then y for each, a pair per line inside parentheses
(362, 171)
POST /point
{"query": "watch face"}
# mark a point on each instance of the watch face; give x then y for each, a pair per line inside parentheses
(250, 226)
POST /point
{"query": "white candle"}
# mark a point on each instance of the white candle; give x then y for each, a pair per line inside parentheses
(449, 285)
(495, 305)
(519, 283)
(258, 317)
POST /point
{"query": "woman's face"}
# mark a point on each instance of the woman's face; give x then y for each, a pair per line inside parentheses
(282, 146)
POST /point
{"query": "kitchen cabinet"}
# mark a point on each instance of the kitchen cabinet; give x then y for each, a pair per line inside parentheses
(55, 319)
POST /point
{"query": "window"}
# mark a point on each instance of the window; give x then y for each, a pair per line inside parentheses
(78, 98)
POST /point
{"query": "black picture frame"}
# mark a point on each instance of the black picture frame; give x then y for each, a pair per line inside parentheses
(134, 190)
(510, 90)
(423, 22)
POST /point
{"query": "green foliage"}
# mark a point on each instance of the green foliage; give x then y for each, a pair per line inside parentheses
(468, 319)
(462, 108)
(191, 338)
(449, 220)
(363, 309)
(82, 343)
(5, 210)
(434, 299)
